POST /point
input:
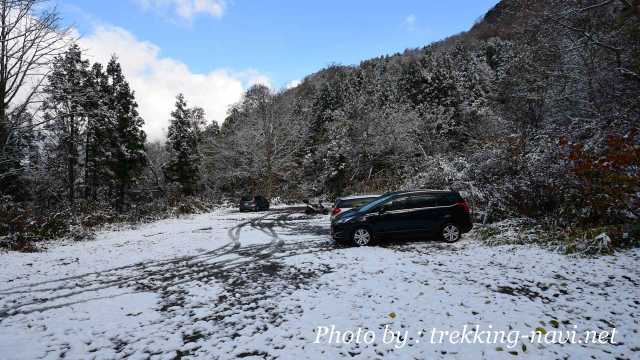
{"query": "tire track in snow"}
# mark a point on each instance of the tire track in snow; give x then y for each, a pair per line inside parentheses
(159, 275)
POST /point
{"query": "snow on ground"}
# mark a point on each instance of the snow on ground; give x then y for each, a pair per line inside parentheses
(272, 285)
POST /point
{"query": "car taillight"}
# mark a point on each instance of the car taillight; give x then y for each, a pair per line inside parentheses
(465, 206)
(336, 211)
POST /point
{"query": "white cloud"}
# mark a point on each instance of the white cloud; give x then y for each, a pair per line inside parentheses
(293, 83)
(157, 80)
(253, 77)
(410, 22)
(186, 9)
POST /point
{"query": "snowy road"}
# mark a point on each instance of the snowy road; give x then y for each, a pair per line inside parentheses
(272, 285)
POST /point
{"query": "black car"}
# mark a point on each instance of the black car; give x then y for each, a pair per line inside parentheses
(429, 212)
(254, 203)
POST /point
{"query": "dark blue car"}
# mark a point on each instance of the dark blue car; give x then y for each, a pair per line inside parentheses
(421, 212)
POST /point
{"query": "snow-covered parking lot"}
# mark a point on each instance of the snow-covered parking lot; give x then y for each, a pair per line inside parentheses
(273, 285)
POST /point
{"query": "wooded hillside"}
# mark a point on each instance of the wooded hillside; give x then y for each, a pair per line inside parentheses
(532, 112)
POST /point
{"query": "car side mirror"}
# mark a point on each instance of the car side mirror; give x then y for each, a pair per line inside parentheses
(383, 209)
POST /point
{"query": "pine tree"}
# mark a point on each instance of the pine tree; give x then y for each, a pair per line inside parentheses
(127, 157)
(66, 115)
(98, 131)
(208, 150)
(182, 147)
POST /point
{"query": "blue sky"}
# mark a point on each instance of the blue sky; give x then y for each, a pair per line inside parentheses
(284, 39)
(213, 49)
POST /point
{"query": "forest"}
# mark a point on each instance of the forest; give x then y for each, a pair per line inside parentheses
(531, 114)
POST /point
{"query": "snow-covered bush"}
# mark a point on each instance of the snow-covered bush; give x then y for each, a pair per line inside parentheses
(21, 230)
(191, 205)
(510, 232)
(80, 233)
(573, 240)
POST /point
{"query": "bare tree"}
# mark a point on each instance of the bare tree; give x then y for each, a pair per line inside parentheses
(30, 37)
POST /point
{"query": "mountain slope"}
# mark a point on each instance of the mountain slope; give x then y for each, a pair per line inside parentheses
(494, 112)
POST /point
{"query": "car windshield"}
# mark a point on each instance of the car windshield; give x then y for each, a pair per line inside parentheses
(374, 203)
(246, 198)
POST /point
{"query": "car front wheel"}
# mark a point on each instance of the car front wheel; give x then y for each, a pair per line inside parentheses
(362, 237)
(451, 233)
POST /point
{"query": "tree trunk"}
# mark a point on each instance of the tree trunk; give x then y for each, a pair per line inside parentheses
(121, 194)
(3, 124)
(71, 171)
(87, 169)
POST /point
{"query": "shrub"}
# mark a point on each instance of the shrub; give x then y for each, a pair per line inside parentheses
(605, 185)
(50, 227)
(600, 240)
(18, 242)
(190, 205)
(573, 240)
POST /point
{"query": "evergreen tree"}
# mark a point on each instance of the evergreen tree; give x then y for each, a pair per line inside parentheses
(98, 130)
(66, 114)
(207, 148)
(127, 156)
(182, 147)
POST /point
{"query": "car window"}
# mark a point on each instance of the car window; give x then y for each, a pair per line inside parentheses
(354, 203)
(449, 199)
(422, 201)
(397, 204)
(246, 198)
(374, 204)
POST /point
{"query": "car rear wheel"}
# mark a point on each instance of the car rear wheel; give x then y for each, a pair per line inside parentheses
(451, 233)
(362, 237)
